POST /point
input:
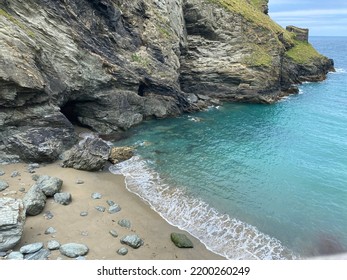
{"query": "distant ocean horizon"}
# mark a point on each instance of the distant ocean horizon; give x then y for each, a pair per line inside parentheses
(253, 181)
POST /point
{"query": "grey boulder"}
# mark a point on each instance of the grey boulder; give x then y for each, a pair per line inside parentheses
(12, 220)
(73, 250)
(34, 201)
(31, 248)
(181, 240)
(63, 198)
(90, 155)
(49, 185)
(134, 241)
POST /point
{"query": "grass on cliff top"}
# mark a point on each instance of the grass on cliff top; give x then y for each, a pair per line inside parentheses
(252, 13)
(303, 53)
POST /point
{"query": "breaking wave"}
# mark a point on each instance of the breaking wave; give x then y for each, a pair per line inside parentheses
(222, 234)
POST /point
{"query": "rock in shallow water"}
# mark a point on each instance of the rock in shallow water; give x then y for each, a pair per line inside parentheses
(133, 241)
(181, 240)
(73, 250)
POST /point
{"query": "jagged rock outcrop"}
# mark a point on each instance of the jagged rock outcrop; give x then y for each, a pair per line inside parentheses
(109, 64)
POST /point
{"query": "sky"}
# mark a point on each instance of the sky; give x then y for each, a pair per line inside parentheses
(322, 17)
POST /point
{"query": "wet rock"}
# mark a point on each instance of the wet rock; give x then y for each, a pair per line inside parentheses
(114, 209)
(63, 198)
(90, 155)
(53, 245)
(133, 241)
(50, 230)
(49, 185)
(181, 240)
(34, 201)
(119, 154)
(12, 220)
(31, 248)
(15, 255)
(42, 254)
(113, 233)
(96, 195)
(3, 185)
(100, 208)
(124, 223)
(122, 251)
(73, 250)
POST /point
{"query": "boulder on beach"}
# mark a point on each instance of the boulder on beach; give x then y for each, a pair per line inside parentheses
(12, 220)
(119, 154)
(90, 154)
(34, 201)
(73, 250)
(181, 240)
(134, 241)
(49, 185)
(63, 198)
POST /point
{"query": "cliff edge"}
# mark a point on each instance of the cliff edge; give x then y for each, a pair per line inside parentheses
(110, 64)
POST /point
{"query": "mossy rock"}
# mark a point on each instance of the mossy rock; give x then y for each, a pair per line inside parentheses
(181, 240)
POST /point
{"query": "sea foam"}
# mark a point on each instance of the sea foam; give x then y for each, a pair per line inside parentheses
(222, 234)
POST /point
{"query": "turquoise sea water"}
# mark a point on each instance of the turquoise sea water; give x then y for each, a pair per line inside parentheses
(254, 181)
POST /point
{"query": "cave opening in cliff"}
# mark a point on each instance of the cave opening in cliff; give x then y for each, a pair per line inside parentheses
(70, 112)
(142, 88)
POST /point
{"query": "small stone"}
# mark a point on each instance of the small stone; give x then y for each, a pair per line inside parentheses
(110, 202)
(84, 233)
(31, 248)
(35, 177)
(113, 233)
(181, 240)
(84, 213)
(50, 230)
(114, 209)
(34, 165)
(124, 223)
(3, 185)
(134, 241)
(15, 174)
(122, 251)
(96, 195)
(22, 189)
(79, 181)
(15, 256)
(100, 208)
(63, 198)
(39, 255)
(53, 245)
(48, 215)
(2, 173)
(73, 250)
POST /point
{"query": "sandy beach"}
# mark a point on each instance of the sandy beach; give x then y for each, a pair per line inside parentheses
(93, 229)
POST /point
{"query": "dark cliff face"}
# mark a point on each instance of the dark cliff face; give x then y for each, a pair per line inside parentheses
(109, 64)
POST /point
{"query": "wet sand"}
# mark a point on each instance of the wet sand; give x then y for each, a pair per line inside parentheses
(93, 229)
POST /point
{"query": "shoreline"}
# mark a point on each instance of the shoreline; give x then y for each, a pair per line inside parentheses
(93, 229)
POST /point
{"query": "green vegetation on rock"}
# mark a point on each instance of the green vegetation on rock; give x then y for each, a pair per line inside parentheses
(12, 19)
(303, 53)
(260, 57)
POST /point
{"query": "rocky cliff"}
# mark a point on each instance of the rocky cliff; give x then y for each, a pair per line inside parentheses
(109, 64)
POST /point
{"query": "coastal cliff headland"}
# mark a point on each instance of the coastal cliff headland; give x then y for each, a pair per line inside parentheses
(110, 64)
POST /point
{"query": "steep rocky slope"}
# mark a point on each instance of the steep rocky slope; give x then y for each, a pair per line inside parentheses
(109, 64)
